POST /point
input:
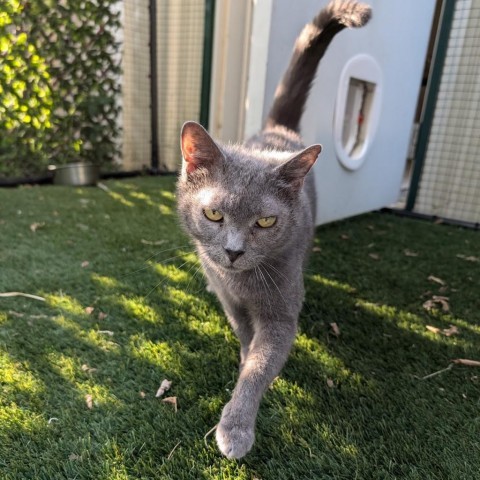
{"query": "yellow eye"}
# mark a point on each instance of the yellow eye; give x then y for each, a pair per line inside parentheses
(213, 215)
(266, 222)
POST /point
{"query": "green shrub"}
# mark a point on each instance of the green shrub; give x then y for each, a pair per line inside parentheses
(59, 84)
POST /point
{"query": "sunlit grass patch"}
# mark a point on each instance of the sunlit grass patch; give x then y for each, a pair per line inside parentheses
(137, 307)
(327, 282)
(65, 303)
(105, 281)
(14, 377)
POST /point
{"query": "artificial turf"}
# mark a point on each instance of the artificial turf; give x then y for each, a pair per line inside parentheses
(77, 386)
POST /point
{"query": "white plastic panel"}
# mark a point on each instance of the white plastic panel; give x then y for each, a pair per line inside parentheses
(396, 38)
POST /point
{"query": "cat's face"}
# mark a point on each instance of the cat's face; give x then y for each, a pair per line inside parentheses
(237, 228)
(241, 208)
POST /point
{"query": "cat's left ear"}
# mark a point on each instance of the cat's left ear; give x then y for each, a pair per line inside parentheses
(198, 148)
(293, 171)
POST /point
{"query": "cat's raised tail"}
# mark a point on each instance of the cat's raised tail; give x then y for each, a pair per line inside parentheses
(310, 46)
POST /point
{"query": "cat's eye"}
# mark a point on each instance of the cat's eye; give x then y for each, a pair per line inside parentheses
(213, 215)
(266, 222)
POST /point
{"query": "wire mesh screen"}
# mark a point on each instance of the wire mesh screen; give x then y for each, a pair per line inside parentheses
(180, 31)
(180, 25)
(450, 183)
(135, 99)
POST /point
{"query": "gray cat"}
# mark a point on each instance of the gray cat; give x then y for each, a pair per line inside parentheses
(250, 210)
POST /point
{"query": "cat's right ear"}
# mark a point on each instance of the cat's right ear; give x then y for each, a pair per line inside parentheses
(198, 148)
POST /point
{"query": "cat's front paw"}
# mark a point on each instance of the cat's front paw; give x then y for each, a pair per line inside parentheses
(234, 437)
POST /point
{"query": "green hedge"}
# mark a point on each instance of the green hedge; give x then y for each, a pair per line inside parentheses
(59, 84)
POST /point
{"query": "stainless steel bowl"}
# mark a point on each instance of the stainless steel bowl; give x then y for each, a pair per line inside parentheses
(77, 174)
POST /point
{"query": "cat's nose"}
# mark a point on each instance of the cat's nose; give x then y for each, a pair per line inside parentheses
(234, 254)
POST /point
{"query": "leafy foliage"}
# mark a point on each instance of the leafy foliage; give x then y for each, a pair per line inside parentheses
(59, 69)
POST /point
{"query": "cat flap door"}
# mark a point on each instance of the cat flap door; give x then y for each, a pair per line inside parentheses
(357, 110)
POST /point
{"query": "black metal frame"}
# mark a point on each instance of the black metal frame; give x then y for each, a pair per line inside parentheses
(446, 19)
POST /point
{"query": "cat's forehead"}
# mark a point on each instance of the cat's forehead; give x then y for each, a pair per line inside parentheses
(237, 201)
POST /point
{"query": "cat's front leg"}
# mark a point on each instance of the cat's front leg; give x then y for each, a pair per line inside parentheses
(267, 354)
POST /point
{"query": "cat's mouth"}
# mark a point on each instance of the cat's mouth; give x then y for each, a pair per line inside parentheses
(232, 267)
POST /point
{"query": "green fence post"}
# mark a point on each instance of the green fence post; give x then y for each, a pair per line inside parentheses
(207, 62)
(448, 10)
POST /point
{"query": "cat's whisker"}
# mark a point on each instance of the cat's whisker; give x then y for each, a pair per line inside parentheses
(162, 282)
(267, 289)
(305, 302)
(276, 286)
(278, 272)
(149, 266)
(286, 262)
(167, 250)
(193, 277)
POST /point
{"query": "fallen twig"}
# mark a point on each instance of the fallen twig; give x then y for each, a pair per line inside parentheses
(209, 433)
(434, 374)
(457, 361)
(173, 449)
(21, 294)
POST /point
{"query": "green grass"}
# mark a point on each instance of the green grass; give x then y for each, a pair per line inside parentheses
(379, 419)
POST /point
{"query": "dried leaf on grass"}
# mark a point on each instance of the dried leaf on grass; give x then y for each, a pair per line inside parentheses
(164, 386)
(36, 225)
(89, 310)
(74, 457)
(375, 256)
(142, 394)
(467, 362)
(470, 258)
(344, 236)
(15, 314)
(335, 329)
(452, 330)
(102, 315)
(432, 278)
(409, 253)
(86, 368)
(85, 264)
(330, 383)
(436, 301)
(448, 332)
(172, 401)
(89, 401)
(316, 249)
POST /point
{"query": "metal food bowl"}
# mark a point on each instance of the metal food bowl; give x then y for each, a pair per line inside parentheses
(76, 174)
